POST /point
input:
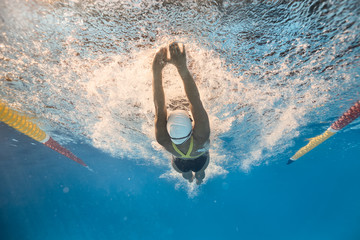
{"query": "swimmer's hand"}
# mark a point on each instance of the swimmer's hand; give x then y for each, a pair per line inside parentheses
(160, 60)
(177, 55)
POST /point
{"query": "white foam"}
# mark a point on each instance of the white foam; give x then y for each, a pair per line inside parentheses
(90, 80)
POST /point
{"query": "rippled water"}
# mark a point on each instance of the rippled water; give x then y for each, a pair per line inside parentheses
(265, 70)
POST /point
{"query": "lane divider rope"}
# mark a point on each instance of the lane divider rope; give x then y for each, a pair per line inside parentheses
(23, 124)
(349, 116)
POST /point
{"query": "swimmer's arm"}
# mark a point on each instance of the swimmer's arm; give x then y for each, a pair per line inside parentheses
(202, 125)
(161, 133)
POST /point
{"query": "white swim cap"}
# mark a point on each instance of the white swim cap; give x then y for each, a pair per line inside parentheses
(179, 126)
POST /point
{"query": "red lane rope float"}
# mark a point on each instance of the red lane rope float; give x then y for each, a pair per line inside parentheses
(51, 143)
(23, 124)
(349, 116)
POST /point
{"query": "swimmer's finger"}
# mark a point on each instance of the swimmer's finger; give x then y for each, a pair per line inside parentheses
(161, 53)
(164, 53)
(177, 48)
(158, 52)
(183, 48)
(172, 48)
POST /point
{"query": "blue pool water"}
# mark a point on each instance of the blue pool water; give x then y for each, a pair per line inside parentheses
(271, 74)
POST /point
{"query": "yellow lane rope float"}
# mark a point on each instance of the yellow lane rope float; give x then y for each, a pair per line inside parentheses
(23, 124)
(349, 116)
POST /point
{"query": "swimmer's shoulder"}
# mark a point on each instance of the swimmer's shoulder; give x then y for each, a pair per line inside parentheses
(201, 145)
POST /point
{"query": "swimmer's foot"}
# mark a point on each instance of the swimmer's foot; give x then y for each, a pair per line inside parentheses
(192, 178)
(199, 177)
(189, 176)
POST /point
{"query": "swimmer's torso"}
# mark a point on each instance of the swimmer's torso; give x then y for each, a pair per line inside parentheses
(196, 151)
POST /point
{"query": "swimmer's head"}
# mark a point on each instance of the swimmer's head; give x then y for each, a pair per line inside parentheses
(179, 126)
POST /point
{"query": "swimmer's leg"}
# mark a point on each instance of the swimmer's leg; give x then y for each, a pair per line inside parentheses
(188, 176)
(199, 176)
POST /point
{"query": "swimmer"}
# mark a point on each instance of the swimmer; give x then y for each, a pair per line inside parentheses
(186, 139)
